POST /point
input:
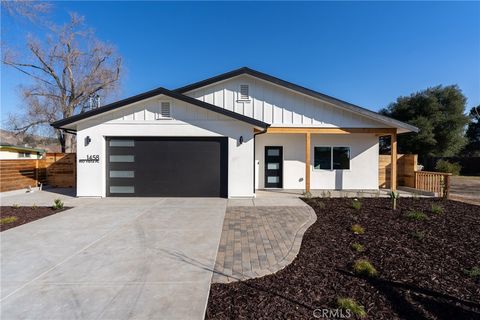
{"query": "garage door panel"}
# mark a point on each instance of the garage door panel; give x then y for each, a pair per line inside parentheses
(168, 167)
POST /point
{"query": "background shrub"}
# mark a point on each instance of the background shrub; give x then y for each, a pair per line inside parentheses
(450, 167)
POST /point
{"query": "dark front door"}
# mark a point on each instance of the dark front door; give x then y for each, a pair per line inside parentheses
(273, 167)
(167, 167)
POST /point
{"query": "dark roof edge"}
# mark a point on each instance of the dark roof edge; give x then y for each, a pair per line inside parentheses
(176, 95)
(294, 87)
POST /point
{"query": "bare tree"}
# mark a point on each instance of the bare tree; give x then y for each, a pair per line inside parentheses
(31, 10)
(69, 68)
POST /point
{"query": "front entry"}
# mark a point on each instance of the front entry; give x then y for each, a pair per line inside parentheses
(273, 167)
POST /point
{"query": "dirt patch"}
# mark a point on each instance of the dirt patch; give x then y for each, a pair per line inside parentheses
(465, 189)
(421, 265)
(15, 216)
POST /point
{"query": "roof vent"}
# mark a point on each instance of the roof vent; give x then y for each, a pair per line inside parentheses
(244, 94)
(165, 111)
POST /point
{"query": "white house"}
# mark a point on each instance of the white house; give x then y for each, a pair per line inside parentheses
(11, 152)
(228, 136)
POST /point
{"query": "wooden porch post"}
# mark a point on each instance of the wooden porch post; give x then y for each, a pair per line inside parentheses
(307, 162)
(393, 152)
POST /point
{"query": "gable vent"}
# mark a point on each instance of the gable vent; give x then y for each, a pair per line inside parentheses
(165, 110)
(244, 94)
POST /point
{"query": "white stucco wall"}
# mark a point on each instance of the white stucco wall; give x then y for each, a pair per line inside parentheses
(363, 172)
(187, 121)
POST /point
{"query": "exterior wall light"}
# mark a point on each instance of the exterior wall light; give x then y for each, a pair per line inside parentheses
(240, 140)
(87, 140)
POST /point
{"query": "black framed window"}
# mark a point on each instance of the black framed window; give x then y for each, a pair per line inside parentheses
(328, 158)
(322, 158)
(341, 158)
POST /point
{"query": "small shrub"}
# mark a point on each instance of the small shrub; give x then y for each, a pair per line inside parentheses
(437, 209)
(356, 204)
(352, 305)
(357, 247)
(474, 272)
(447, 166)
(358, 229)
(34, 206)
(364, 267)
(416, 215)
(320, 205)
(8, 219)
(419, 235)
(57, 204)
(15, 206)
(394, 196)
(307, 194)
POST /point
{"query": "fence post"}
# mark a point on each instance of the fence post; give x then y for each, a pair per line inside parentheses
(447, 186)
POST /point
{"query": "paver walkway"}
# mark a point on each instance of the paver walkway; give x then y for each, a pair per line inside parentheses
(258, 240)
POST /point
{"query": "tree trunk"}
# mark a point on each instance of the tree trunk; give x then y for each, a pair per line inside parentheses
(61, 140)
(69, 142)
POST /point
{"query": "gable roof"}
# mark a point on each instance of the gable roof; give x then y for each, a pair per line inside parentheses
(172, 94)
(340, 103)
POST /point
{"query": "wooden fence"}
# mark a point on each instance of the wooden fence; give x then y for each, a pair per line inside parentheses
(438, 182)
(55, 169)
(406, 167)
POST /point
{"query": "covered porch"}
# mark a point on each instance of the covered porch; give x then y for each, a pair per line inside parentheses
(299, 170)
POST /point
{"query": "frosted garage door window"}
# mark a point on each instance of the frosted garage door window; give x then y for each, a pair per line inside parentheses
(122, 143)
(122, 174)
(273, 166)
(122, 189)
(122, 158)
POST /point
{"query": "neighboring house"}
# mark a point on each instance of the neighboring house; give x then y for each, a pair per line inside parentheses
(10, 152)
(228, 136)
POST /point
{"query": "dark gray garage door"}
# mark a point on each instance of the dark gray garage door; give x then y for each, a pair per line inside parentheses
(167, 167)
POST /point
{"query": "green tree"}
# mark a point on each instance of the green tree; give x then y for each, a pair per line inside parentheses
(439, 114)
(473, 134)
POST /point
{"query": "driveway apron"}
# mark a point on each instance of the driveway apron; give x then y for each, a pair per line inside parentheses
(128, 258)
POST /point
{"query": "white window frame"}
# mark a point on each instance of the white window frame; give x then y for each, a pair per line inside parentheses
(158, 114)
(331, 157)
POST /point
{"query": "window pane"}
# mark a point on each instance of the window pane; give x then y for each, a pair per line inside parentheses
(273, 179)
(122, 189)
(122, 143)
(273, 152)
(122, 174)
(322, 158)
(273, 166)
(341, 158)
(121, 158)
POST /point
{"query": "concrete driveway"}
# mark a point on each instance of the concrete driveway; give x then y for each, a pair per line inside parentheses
(114, 258)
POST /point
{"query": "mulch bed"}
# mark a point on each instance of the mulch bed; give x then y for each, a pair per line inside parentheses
(419, 277)
(25, 215)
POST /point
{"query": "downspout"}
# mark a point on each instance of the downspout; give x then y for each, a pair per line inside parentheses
(254, 164)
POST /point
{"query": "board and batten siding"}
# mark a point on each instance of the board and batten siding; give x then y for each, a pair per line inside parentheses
(279, 106)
